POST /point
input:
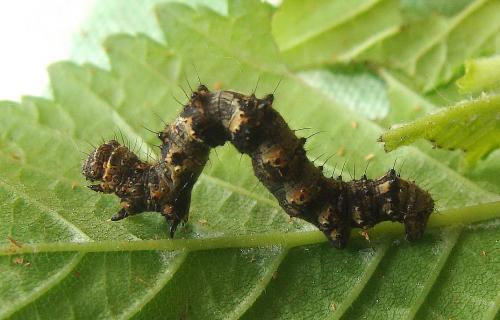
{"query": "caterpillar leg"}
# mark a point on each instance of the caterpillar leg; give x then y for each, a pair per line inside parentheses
(419, 206)
(173, 224)
(338, 237)
(174, 216)
(334, 223)
(413, 230)
(96, 188)
(122, 214)
(414, 223)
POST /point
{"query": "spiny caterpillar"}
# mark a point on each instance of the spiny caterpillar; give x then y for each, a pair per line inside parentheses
(279, 160)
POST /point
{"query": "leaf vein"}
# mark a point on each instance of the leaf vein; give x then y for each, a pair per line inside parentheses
(160, 283)
(259, 286)
(452, 235)
(369, 271)
(79, 234)
(328, 27)
(452, 25)
(44, 287)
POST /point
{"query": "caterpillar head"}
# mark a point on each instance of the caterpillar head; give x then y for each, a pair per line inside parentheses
(419, 206)
(93, 167)
(405, 202)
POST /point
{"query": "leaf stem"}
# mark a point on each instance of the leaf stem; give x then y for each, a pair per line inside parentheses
(464, 215)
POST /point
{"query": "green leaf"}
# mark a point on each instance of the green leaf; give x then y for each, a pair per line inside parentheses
(480, 74)
(314, 33)
(239, 255)
(432, 50)
(428, 41)
(472, 126)
(353, 86)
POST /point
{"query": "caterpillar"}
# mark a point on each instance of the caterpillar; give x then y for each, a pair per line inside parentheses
(279, 160)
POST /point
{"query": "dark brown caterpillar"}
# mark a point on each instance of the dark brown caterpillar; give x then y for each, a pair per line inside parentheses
(279, 161)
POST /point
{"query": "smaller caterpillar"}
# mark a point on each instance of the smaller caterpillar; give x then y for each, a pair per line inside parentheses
(279, 160)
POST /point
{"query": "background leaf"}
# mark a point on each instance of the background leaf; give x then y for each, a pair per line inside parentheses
(480, 74)
(120, 270)
(472, 126)
(427, 41)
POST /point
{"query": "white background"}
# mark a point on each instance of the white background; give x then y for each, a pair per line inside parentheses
(33, 34)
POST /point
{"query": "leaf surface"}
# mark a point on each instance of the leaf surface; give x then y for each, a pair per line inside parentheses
(428, 41)
(92, 268)
(480, 74)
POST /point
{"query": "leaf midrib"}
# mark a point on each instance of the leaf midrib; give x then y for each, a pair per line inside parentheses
(288, 239)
